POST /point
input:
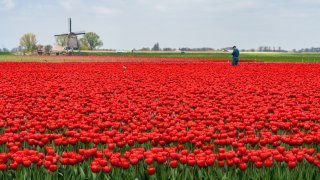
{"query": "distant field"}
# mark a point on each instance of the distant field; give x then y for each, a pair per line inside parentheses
(267, 57)
(170, 56)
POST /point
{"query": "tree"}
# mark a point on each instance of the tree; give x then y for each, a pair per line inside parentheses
(167, 49)
(61, 40)
(84, 44)
(92, 40)
(156, 47)
(185, 49)
(144, 49)
(28, 42)
(47, 49)
(16, 49)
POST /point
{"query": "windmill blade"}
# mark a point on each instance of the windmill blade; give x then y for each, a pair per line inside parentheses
(66, 34)
(79, 32)
(69, 21)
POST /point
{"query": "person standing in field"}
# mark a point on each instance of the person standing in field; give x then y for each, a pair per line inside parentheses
(235, 56)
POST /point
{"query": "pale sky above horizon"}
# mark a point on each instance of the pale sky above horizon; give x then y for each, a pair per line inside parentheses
(128, 24)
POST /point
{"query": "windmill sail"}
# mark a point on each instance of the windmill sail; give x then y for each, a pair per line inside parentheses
(69, 21)
(79, 32)
(65, 34)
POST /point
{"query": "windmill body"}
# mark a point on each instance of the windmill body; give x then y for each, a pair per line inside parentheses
(72, 44)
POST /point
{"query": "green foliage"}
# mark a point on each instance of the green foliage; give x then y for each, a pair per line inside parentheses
(91, 40)
(47, 49)
(84, 44)
(61, 40)
(156, 47)
(4, 53)
(28, 42)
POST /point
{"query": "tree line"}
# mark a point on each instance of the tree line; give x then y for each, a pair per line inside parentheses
(28, 43)
(156, 47)
(92, 41)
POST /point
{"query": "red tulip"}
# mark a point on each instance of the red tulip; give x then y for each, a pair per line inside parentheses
(268, 163)
(125, 164)
(107, 169)
(14, 165)
(53, 167)
(151, 170)
(173, 164)
(242, 166)
(292, 164)
(258, 164)
(110, 146)
(3, 167)
(26, 163)
(95, 168)
(221, 163)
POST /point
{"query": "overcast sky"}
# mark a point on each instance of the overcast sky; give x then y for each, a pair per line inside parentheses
(128, 24)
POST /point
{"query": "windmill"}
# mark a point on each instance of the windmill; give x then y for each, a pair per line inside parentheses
(72, 44)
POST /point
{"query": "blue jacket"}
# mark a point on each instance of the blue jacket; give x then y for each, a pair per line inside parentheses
(235, 53)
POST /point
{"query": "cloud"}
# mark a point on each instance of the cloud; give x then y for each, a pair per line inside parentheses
(70, 4)
(161, 8)
(313, 2)
(246, 5)
(105, 10)
(7, 4)
(89, 7)
(203, 6)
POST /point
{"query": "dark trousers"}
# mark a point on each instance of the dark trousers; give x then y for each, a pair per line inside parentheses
(235, 61)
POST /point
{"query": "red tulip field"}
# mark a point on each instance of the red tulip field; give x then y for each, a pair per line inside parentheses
(149, 120)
